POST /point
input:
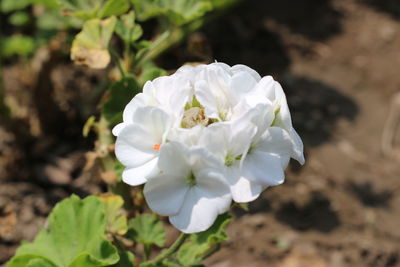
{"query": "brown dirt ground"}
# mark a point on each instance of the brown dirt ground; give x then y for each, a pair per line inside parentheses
(339, 63)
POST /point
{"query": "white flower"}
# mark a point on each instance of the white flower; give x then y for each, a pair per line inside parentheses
(255, 154)
(169, 93)
(138, 143)
(190, 189)
(204, 136)
(269, 89)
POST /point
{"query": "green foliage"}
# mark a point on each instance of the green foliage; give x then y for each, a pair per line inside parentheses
(150, 72)
(217, 4)
(126, 259)
(90, 46)
(19, 18)
(75, 238)
(116, 221)
(50, 4)
(192, 252)
(164, 263)
(121, 93)
(17, 45)
(177, 11)
(12, 5)
(127, 29)
(114, 8)
(118, 169)
(147, 229)
(90, 9)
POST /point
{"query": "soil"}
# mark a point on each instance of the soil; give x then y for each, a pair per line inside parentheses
(338, 63)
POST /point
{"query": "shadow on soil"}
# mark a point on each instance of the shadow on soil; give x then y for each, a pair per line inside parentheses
(369, 196)
(316, 107)
(316, 214)
(392, 7)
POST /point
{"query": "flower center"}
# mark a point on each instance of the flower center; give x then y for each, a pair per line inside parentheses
(231, 159)
(194, 116)
(191, 179)
(156, 147)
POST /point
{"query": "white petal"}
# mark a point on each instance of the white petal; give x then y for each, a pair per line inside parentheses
(134, 146)
(198, 212)
(201, 159)
(206, 99)
(139, 175)
(242, 190)
(189, 137)
(297, 146)
(212, 184)
(240, 67)
(284, 113)
(245, 190)
(241, 83)
(216, 139)
(154, 120)
(174, 159)
(165, 193)
(140, 100)
(242, 135)
(262, 116)
(277, 141)
(118, 128)
(263, 168)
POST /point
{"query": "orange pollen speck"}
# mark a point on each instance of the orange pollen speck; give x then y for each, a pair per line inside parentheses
(156, 147)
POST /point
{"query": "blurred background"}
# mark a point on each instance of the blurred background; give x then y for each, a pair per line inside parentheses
(339, 64)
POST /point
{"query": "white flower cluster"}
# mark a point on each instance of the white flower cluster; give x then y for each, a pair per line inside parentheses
(203, 137)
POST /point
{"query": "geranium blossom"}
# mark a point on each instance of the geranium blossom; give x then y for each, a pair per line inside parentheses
(203, 136)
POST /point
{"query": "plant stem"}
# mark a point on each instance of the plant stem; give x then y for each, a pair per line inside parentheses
(147, 251)
(211, 251)
(171, 250)
(117, 60)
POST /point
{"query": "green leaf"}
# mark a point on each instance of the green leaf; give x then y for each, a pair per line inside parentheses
(51, 4)
(75, 238)
(127, 29)
(90, 9)
(150, 72)
(177, 11)
(191, 253)
(17, 45)
(127, 259)
(40, 263)
(164, 263)
(217, 4)
(83, 9)
(19, 18)
(116, 221)
(90, 46)
(11, 5)
(119, 169)
(121, 93)
(147, 229)
(114, 7)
